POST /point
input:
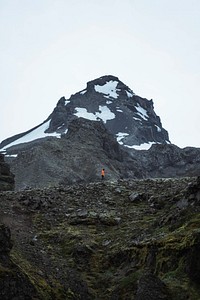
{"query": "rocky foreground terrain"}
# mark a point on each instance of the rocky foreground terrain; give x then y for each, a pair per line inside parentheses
(123, 239)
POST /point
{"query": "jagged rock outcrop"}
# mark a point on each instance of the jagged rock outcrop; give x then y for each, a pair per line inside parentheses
(98, 241)
(6, 177)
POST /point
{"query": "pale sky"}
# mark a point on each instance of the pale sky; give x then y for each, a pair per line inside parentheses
(52, 48)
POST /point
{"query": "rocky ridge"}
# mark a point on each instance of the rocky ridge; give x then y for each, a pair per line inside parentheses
(88, 147)
(125, 239)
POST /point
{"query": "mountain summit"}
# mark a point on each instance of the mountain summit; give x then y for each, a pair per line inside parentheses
(130, 118)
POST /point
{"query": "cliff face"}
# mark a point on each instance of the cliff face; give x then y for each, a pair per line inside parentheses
(78, 157)
(128, 239)
(6, 177)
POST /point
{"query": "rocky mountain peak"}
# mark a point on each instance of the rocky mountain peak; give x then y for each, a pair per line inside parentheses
(110, 87)
(130, 118)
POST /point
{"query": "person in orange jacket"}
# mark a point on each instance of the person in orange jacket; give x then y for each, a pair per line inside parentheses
(102, 174)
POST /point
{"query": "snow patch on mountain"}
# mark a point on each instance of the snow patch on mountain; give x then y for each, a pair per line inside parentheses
(120, 136)
(11, 155)
(108, 102)
(83, 113)
(144, 146)
(137, 119)
(83, 92)
(158, 128)
(66, 102)
(109, 89)
(104, 114)
(37, 133)
(108, 97)
(142, 112)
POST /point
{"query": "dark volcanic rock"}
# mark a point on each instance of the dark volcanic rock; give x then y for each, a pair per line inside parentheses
(82, 131)
(5, 240)
(150, 287)
(193, 263)
(89, 241)
(6, 177)
(169, 161)
(14, 284)
(193, 191)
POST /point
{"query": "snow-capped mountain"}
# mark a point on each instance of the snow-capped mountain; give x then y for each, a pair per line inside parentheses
(130, 118)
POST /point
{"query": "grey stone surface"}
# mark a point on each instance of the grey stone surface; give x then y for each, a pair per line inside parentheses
(6, 177)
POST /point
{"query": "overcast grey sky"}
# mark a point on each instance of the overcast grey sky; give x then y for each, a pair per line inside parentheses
(51, 48)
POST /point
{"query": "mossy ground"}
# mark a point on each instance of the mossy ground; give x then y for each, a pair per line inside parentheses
(97, 236)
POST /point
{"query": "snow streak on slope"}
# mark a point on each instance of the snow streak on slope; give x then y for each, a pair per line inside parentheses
(142, 112)
(120, 136)
(33, 135)
(129, 94)
(144, 146)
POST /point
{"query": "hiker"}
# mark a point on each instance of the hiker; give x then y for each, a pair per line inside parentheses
(102, 174)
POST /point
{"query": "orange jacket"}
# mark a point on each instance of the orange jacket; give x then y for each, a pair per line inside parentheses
(102, 172)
